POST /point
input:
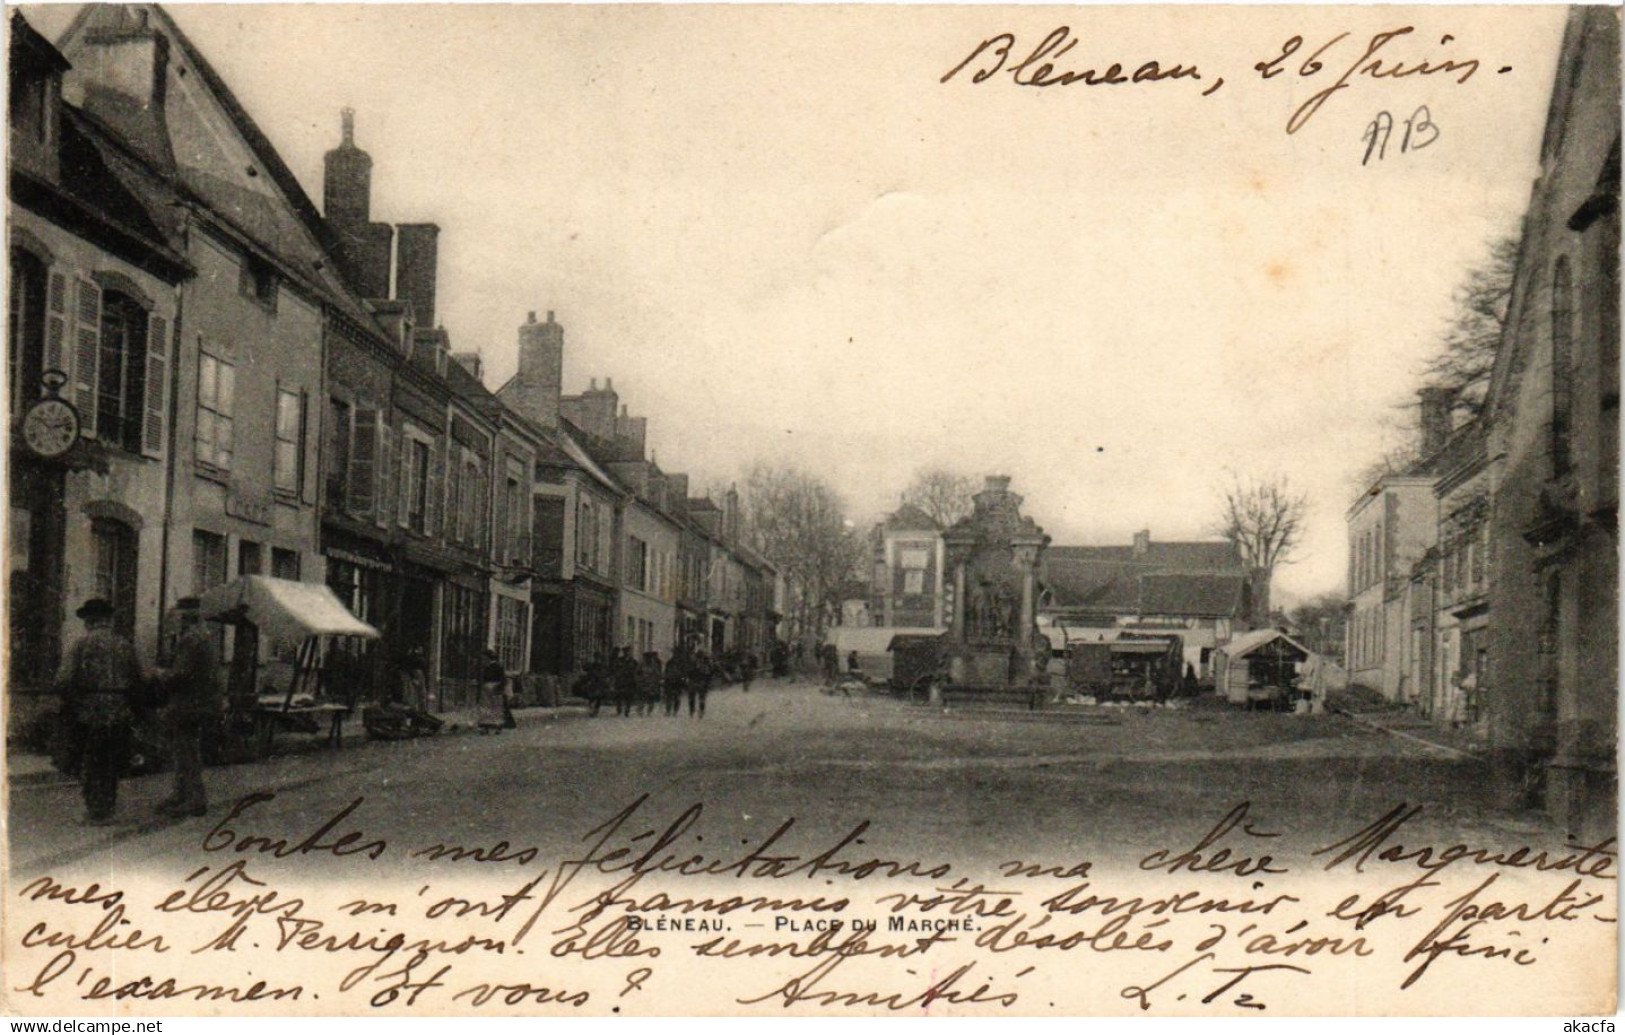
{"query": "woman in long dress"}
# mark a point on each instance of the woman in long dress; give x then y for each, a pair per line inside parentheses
(493, 691)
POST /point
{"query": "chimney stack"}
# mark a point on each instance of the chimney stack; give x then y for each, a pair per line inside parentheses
(417, 263)
(1142, 543)
(122, 65)
(1436, 404)
(541, 370)
(365, 247)
(471, 362)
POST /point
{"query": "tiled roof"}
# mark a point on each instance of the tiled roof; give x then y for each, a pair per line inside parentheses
(1108, 579)
(909, 517)
(1193, 596)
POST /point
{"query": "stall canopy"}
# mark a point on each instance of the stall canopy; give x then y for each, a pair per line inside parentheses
(1273, 649)
(285, 610)
(1249, 642)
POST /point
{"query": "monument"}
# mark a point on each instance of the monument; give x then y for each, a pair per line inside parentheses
(993, 555)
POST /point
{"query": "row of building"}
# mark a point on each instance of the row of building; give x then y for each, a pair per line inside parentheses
(1483, 578)
(1200, 590)
(209, 377)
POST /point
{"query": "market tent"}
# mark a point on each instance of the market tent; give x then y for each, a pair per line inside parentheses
(1230, 661)
(285, 610)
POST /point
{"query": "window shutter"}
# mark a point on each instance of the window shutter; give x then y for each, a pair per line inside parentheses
(56, 321)
(87, 353)
(405, 481)
(501, 548)
(386, 467)
(482, 509)
(152, 428)
(363, 456)
(307, 480)
(437, 480)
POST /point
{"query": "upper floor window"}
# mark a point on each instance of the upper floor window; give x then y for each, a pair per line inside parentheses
(514, 507)
(121, 371)
(637, 563)
(416, 489)
(290, 441)
(1562, 362)
(338, 450)
(216, 404)
(258, 280)
(586, 534)
(469, 505)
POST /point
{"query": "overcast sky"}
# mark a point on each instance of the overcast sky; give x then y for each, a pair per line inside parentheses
(786, 240)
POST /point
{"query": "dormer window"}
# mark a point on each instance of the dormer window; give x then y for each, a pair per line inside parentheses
(258, 280)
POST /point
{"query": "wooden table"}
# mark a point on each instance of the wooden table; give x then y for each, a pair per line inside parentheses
(300, 719)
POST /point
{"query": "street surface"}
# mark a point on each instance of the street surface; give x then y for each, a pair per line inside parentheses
(966, 785)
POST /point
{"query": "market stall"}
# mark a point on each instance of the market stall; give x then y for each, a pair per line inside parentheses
(1260, 668)
(293, 618)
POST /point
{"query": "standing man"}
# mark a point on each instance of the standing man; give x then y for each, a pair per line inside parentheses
(675, 679)
(195, 699)
(699, 684)
(97, 681)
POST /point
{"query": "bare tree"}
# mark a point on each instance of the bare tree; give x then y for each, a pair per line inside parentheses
(1263, 518)
(1465, 356)
(798, 522)
(1320, 623)
(942, 494)
(1396, 458)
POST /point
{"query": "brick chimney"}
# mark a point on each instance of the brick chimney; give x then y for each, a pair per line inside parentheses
(347, 178)
(594, 411)
(537, 386)
(677, 491)
(1142, 543)
(631, 435)
(365, 247)
(120, 64)
(417, 263)
(471, 362)
(1436, 404)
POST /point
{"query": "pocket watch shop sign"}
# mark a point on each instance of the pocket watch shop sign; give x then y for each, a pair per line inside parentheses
(51, 425)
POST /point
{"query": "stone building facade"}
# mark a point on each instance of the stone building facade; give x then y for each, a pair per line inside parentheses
(1553, 415)
(95, 286)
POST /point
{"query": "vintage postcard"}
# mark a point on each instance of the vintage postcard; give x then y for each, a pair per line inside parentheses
(812, 511)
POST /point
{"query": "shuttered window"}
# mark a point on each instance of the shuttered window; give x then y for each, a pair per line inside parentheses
(338, 452)
(121, 371)
(363, 458)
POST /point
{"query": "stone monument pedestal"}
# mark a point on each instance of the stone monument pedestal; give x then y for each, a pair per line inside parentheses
(994, 554)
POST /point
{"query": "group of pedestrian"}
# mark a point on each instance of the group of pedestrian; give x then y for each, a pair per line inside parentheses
(105, 692)
(638, 686)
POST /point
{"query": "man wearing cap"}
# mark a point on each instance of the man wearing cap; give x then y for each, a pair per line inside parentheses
(97, 681)
(195, 699)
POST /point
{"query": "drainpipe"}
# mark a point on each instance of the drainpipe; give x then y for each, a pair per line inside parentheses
(178, 338)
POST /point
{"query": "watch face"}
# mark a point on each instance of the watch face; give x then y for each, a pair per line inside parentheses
(51, 427)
